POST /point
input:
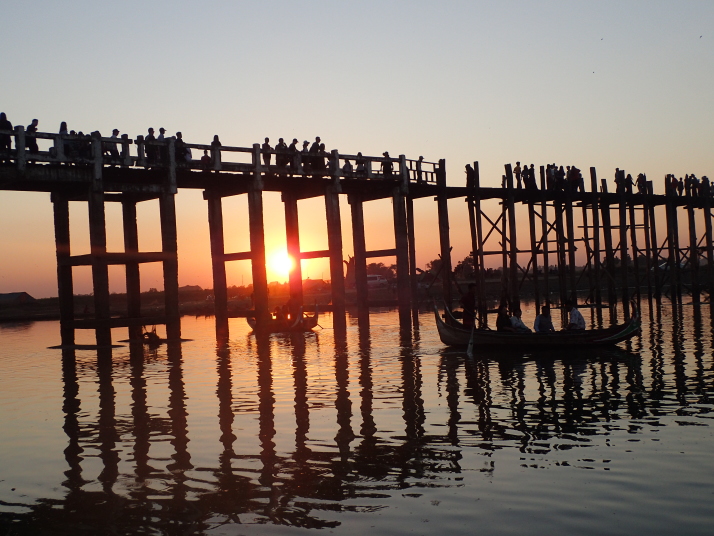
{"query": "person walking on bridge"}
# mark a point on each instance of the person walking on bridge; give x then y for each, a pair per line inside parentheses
(266, 148)
(30, 139)
(5, 141)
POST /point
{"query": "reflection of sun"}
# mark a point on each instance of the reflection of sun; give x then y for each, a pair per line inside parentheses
(281, 264)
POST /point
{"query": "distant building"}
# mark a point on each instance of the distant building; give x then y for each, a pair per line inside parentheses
(16, 298)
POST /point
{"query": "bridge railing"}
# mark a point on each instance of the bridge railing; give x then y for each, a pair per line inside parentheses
(81, 150)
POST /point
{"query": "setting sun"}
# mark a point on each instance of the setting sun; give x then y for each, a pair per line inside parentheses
(281, 264)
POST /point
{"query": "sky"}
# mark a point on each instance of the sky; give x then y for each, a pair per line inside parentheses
(605, 84)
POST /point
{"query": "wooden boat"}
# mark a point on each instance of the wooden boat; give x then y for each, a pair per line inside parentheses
(452, 334)
(281, 325)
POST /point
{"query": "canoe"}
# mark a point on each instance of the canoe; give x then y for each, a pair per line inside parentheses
(280, 325)
(458, 335)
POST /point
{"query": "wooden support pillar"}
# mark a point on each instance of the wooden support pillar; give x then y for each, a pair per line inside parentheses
(609, 254)
(401, 242)
(218, 264)
(534, 253)
(444, 240)
(133, 281)
(292, 236)
(693, 252)
(482, 311)
(570, 225)
(646, 223)
(625, 291)
(65, 289)
(560, 251)
(655, 251)
(100, 270)
(257, 239)
(257, 248)
(334, 242)
(596, 237)
(98, 245)
(413, 284)
(710, 245)
(635, 249)
(360, 260)
(544, 232)
(513, 295)
(504, 249)
(169, 246)
(673, 242)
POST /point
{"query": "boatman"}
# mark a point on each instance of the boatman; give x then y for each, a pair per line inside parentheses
(576, 321)
(468, 303)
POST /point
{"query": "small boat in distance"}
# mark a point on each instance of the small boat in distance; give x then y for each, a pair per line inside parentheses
(282, 325)
(454, 333)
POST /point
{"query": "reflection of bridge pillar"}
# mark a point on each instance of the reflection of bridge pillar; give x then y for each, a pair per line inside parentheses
(292, 235)
(360, 259)
(133, 281)
(65, 290)
(71, 408)
(334, 243)
(218, 263)
(107, 431)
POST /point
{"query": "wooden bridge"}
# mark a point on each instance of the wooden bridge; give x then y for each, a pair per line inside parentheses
(78, 168)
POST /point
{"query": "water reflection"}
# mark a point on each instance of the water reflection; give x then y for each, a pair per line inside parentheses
(309, 427)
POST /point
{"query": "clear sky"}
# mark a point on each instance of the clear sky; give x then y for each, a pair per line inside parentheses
(605, 84)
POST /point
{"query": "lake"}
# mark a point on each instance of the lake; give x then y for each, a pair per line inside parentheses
(368, 432)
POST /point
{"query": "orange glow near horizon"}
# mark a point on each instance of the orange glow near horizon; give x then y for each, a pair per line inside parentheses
(281, 264)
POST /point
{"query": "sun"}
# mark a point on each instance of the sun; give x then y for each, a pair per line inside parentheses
(281, 264)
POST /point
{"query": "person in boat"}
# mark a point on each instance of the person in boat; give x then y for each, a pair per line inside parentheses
(468, 304)
(517, 323)
(543, 323)
(576, 320)
(503, 321)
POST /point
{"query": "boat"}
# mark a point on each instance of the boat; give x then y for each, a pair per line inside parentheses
(282, 325)
(454, 333)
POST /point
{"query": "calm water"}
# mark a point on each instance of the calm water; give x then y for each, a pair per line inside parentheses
(364, 433)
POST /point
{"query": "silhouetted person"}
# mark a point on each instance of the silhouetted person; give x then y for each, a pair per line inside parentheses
(470, 176)
(543, 322)
(163, 150)
(305, 157)
(314, 150)
(179, 149)
(361, 168)
(418, 169)
(281, 159)
(680, 187)
(5, 139)
(642, 183)
(517, 174)
(30, 139)
(294, 155)
(267, 156)
(347, 169)
(619, 181)
(206, 161)
(560, 183)
(629, 183)
(468, 304)
(111, 147)
(152, 151)
(576, 320)
(387, 166)
(503, 321)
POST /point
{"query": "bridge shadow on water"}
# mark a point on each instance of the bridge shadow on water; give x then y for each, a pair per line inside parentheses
(368, 415)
